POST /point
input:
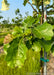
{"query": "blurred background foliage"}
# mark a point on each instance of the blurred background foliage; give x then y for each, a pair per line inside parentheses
(31, 65)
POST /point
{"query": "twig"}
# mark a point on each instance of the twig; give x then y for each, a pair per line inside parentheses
(32, 7)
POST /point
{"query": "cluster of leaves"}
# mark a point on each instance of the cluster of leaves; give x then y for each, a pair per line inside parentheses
(29, 36)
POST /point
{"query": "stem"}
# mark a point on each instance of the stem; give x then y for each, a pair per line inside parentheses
(32, 7)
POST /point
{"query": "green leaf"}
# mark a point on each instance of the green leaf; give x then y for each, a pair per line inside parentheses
(37, 3)
(53, 26)
(52, 49)
(6, 46)
(25, 2)
(16, 53)
(17, 30)
(29, 21)
(38, 19)
(27, 31)
(17, 11)
(46, 45)
(36, 46)
(43, 31)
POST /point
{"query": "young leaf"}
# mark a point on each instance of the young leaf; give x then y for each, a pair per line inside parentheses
(17, 30)
(29, 21)
(36, 46)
